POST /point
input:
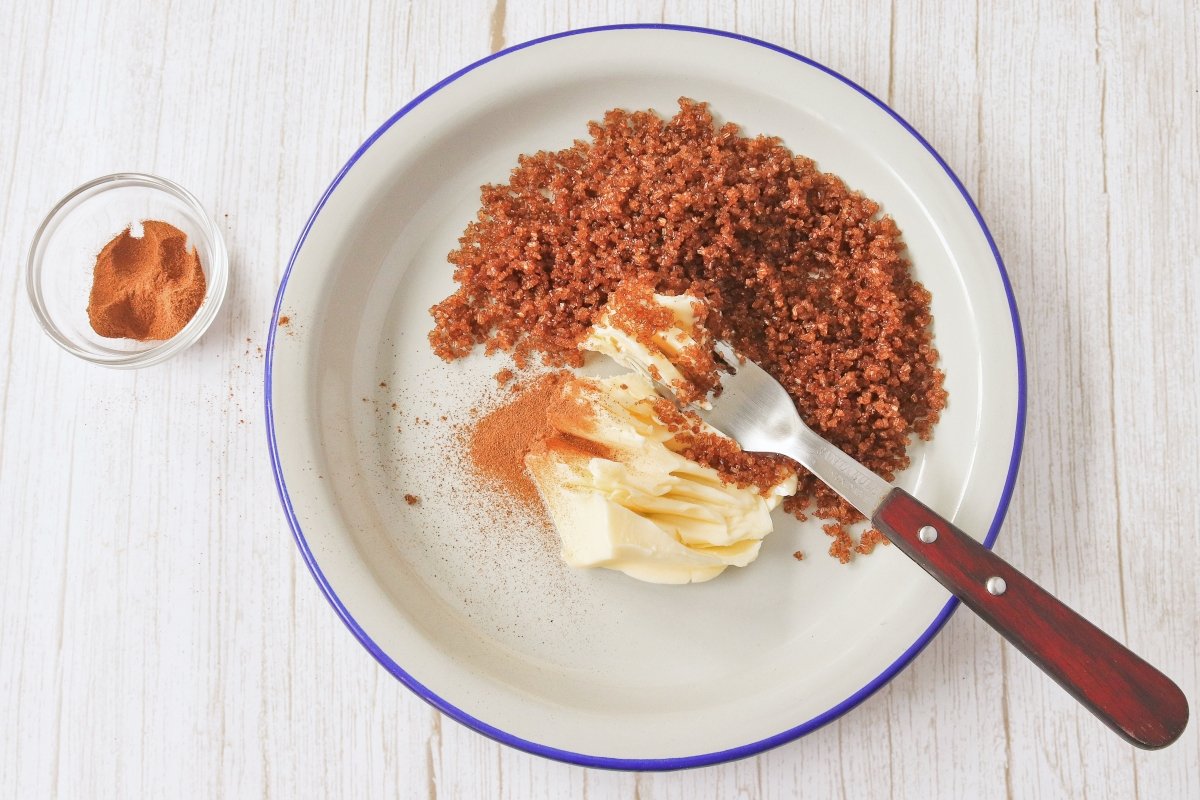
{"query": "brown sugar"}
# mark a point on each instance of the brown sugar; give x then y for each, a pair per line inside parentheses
(842, 546)
(692, 441)
(806, 278)
(868, 541)
(148, 287)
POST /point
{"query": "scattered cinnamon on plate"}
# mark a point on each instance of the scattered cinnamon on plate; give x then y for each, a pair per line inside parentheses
(499, 440)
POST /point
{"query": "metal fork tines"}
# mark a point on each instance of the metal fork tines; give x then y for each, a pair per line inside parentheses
(757, 413)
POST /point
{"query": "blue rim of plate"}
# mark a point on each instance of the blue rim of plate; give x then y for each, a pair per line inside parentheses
(605, 762)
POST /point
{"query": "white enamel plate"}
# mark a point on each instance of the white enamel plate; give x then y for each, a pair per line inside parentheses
(466, 601)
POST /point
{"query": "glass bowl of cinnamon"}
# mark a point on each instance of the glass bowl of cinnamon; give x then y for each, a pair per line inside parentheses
(127, 270)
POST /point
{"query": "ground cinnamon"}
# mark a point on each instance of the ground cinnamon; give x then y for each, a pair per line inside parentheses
(499, 441)
(146, 287)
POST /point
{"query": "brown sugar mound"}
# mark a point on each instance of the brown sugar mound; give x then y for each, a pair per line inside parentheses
(806, 278)
(146, 288)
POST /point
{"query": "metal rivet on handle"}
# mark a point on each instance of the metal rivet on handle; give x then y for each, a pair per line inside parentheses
(928, 535)
(996, 585)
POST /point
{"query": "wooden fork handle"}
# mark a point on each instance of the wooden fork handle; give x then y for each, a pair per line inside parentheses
(1129, 695)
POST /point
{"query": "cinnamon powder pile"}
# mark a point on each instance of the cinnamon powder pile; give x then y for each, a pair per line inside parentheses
(146, 288)
(498, 442)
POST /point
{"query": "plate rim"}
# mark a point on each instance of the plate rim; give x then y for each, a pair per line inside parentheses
(610, 762)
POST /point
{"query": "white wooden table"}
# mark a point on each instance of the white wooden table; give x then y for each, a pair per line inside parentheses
(159, 635)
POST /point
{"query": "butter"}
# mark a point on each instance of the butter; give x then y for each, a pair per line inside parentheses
(622, 499)
(658, 358)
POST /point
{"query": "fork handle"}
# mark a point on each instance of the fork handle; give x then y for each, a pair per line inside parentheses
(1129, 695)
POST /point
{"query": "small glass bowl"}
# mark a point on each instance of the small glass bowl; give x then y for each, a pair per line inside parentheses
(63, 256)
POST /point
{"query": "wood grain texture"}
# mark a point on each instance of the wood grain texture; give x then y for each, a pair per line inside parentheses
(162, 638)
(1132, 697)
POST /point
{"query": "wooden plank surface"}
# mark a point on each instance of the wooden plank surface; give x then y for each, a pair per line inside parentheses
(160, 636)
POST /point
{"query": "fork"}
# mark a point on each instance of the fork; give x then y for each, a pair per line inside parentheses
(1129, 695)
